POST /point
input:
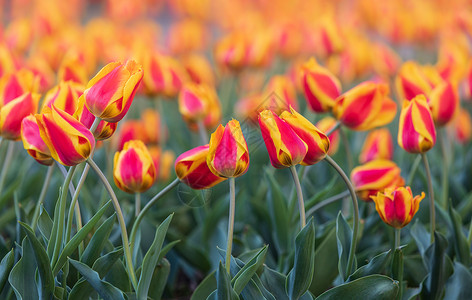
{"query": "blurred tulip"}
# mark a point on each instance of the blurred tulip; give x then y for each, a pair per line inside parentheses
(411, 81)
(193, 102)
(19, 34)
(72, 68)
(14, 85)
(462, 126)
(43, 72)
(213, 110)
(289, 40)
(133, 168)
(69, 141)
(151, 120)
(104, 129)
(259, 52)
(231, 50)
(33, 143)
(110, 93)
(228, 155)
(13, 112)
(187, 36)
(131, 130)
(444, 103)
(416, 131)
(192, 169)
(365, 106)
(396, 207)
(279, 94)
(317, 141)
(320, 86)
(377, 145)
(199, 69)
(8, 63)
(374, 176)
(285, 147)
(249, 107)
(325, 125)
(156, 153)
(385, 61)
(64, 96)
(167, 161)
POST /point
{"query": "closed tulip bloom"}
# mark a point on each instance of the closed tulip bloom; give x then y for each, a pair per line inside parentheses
(69, 141)
(396, 207)
(365, 106)
(16, 84)
(156, 153)
(12, 113)
(377, 145)
(462, 126)
(444, 103)
(194, 101)
(317, 141)
(104, 129)
(131, 130)
(416, 131)
(33, 143)
(64, 96)
(192, 169)
(228, 155)
(167, 160)
(110, 93)
(320, 86)
(133, 168)
(325, 125)
(375, 176)
(411, 81)
(151, 121)
(285, 147)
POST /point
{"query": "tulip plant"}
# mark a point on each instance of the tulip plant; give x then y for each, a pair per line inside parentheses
(235, 150)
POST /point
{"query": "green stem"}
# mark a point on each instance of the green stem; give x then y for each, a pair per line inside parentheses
(413, 170)
(137, 204)
(121, 221)
(445, 170)
(203, 132)
(232, 204)
(397, 237)
(75, 197)
(327, 202)
(336, 126)
(432, 212)
(355, 205)
(302, 172)
(6, 166)
(42, 195)
(347, 148)
(301, 204)
(148, 206)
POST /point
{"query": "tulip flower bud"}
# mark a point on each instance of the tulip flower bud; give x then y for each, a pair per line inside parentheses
(156, 153)
(228, 155)
(285, 147)
(444, 103)
(192, 169)
(396, 207)
(375, 176)
(325, 125)
(33, 143)
(131, 130)
(365, 106)
(377, 145)
(12, 113)
(110, 93)
(416, 131)
(133, 168)
(64, 96)
(317, 141)
(104, 129)
(69, 141)
(462, 126)
(411, 81)
(193, 102)
(320, 86)
(199, 69)
(151, 121)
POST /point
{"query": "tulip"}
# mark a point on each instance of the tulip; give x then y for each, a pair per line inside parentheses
(444, 103)
(73, 69)
(166, 162)
(33, 143)
(64, 96)
(317, 141)
(194, 101)
(377, 145)
(151, 121)
(69, 141)
(8, 63)
(156, 153)
(260, 50)
(396, 207)
(131, 130)
(386, 61)
(110, 93)
(365, 106)
(199, 69)
(325, 125)
(375, 176)
(411, 81)
(192, 169)
(285, 147)
(416, 131)
(230, 51)
(279, 95)
(104, 129)
(228, 155)
(187, 36)
(320, 86)
(133, 168)
(17, 84)
(12, 113)
(462, 126)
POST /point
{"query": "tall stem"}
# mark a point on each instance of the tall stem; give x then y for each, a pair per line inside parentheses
(397, 237)
(75, 197)
(147, 207)
(6, 165)
(301, 204)
(137, 204)
(121, 221)
(413, 170)
(232, 204)
(203, 132)
(432, 212)
(355, 205)
(347, 148)
(42, 195)
(445, 169)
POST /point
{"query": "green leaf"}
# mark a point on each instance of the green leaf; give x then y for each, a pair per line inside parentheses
(159, 279)
(376, 265)
(205, 288)
(461, 246)
(103, 288)
(458, 285)
(421, 237)
(45, 224)
(43, 263)
(166, 249)
(280, 219)
(151, 258)
(21, 278)
(5, 267)
(224, 290)
(300, 277)
(344, 237)
(275, 282)
(78, 238)
(373, 287)
(98, 241)
(244, 275)
(326, 264)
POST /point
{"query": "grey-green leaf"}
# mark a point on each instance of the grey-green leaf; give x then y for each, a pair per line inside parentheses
(224, 290)
(344, 237)
(376, 265)
(5, 267)
(159, 279)
(280, 219)
(245, 274)
(205, 288)
(461, 246)
(45, 224)
(98, 241)
(21, 277)
(458, 285)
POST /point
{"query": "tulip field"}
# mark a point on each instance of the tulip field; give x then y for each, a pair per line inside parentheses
(253, 150)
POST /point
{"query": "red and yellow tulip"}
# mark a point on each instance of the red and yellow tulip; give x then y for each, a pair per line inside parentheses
(377, 145)
(396, 207)
(199, 69)
(151, 120)
(325, 125)
(64, 96)
(411, 81)
(33, 143)
(416, 131)
(133, 168)
(462, 126)
(194, 101)
(104, 130)
(444, 103)
(13, 112)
